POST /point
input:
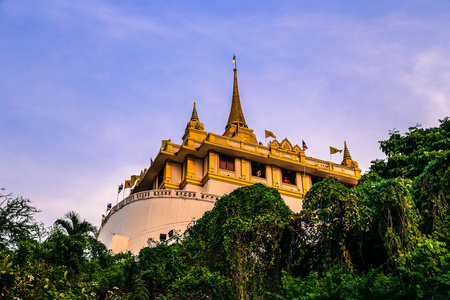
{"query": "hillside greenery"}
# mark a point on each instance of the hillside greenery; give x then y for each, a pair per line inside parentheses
(386, 238)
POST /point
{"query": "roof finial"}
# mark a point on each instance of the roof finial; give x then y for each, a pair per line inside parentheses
(194, 116)
(346, 152)
(347, 161)
(236, 115)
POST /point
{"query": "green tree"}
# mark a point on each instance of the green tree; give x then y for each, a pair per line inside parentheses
(72, 225)
(248, 238)
(16, 220)
(423, 156)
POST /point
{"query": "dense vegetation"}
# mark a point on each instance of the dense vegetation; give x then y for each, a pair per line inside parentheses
(387, 238)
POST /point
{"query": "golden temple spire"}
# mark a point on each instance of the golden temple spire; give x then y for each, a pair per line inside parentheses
(194, 116)
(346, 152)
(347, 161)
(236, 115)
(194, 129)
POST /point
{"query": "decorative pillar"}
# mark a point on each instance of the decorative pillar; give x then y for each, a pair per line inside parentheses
(305, 187)
(190, 167)
(274, 176)
(168, 170)
(211, 162)
(243, 176)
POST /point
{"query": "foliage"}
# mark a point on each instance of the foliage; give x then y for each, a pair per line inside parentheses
(386, 238)
(72, 225)
(423, 156)
(247, 237)
(16, 220)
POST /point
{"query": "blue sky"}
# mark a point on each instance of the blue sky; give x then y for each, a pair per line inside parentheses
(88, 89)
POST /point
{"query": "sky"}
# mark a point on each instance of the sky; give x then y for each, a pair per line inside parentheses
(88, 89)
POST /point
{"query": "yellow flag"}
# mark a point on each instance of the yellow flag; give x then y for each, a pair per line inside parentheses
(270, 134)
(134, 178)
(334, 150)
(128, 184)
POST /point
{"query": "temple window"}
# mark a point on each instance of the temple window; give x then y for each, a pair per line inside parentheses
(258, 170)
(226, 162)
(289, 176)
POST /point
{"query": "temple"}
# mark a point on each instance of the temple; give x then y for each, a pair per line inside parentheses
(185, 180)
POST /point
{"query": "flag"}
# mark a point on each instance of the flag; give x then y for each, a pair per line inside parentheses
(108, 206)
(270, 134)
(236, 131)
(151, 161)
(130, 183)
(120, 188)
(304, 145)
(334, 150)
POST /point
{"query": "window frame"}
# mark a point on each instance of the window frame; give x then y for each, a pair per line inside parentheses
(227, 163)
(254, 170)
(292, 178)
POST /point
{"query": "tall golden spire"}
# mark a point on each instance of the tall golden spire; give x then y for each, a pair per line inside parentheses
(236, 115)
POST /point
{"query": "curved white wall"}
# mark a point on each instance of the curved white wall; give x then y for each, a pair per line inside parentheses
(147, 214)
(130, 226)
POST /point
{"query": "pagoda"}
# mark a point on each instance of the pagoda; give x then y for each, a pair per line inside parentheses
(185, 180)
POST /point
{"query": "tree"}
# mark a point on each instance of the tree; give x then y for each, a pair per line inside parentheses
(73, 225)
(16, 220)
(71, 242)
(248, 237)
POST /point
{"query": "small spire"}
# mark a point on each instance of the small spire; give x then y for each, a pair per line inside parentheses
(194, 116)
(236, 115)
(347, 161)
(346, 152)
(194, 122)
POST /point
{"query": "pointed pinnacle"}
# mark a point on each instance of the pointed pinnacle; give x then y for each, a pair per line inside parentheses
(194, 116)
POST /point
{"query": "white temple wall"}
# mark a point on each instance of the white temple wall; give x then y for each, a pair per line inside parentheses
(294, 204)
(135, 222)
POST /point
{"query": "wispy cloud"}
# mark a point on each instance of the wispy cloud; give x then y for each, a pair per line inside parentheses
(89, 89)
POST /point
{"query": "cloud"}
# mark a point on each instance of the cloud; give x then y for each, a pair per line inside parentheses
(117, 21)
(93, 87)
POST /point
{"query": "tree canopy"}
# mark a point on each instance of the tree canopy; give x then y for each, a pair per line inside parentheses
(386, 238)
(16, 219)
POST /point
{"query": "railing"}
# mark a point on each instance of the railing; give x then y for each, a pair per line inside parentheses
(161, 194)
